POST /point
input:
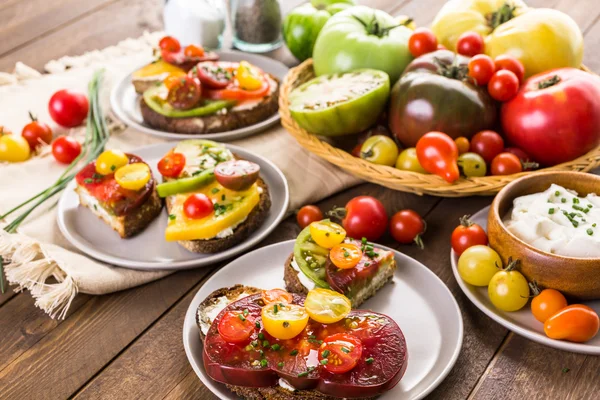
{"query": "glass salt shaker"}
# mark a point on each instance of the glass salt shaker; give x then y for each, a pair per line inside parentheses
(196, 21)
(256, 25)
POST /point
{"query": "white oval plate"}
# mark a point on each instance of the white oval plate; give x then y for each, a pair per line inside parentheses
(124, 101)
(417, 300)
(149, 250)
(521, 322)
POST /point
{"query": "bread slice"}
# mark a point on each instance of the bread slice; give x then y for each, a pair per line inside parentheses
(126, 225)
(384, 275)
(240, 233)
(226, 120)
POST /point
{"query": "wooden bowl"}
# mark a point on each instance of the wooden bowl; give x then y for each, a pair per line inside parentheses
(574, 277)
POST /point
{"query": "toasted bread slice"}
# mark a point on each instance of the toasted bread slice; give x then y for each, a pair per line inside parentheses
(240, 116)
(127, 225)
(240, 232)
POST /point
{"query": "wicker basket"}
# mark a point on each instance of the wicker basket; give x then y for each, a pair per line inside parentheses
(396, 179)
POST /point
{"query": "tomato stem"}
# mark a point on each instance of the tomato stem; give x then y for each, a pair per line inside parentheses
(374, 26)
(546, 83)
(535, 289)
(31, 116)
(501, 16)
(512, 264)
(465, 221)
(453, 70)
(337, 213)
(419, 241)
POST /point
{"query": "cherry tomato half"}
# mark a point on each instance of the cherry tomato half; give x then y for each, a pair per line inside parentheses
(342, 352)
(212, 75)
(422, 41)
(276, 296)
(505, 61)
(481, 68)
(547, 303)
(575, 323)
(193, 51)
(466, 235)
(506, 164)
(470, 44)
(345, 255)
(68, 108)
(326, 233)
(185, 94)
(65, 149)
(234, 327)
(307, 215)
(171, 165)
(36, 133)
(488, 144)
(197, 206)
(407, 226)
(234, 92)
(504, 85)
(170, 44)
(364, 216)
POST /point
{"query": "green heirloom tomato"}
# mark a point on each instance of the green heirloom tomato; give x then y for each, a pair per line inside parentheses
(361, 37)
(301, 28)
(472, 165)
(408, 161)
(435, 94)
(340, 104)
(379, 149)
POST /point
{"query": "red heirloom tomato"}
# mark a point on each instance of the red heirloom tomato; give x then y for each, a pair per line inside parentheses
(555, 117)
(65, 149)
(407, 226)
(503, 85)
(488, 144)
(171, 165)
(438, 154)
(68, 108)
(364, 216)
(466, 235)
(481, 68)
(36, 133)
(470, 44)
(422, 41)
(307, 215)
(512, 64)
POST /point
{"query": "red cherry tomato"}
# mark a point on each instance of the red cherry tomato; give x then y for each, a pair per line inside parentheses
(185, 94)
(507, 62)
(342, 352)
(36, 133)
(506, 164)
(212, 75)
(488, 144)
(466, 235)
(438, 154)
(197, 206)
(481, 68)
(307, 215)
(193, 51)
(365, 217)
(276, 295)
(234, 327)
(470, 44)
(65, 149)
(407, 226)
(171, 165)
(422, 41)
(169, 44)
(504, 85)
(68, 108)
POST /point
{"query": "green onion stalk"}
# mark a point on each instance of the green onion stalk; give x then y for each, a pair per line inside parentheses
(96, 136)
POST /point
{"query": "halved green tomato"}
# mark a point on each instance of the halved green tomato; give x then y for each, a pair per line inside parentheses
(340, 104)
(311, 258)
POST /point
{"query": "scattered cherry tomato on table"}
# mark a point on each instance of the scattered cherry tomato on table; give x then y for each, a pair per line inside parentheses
(307, 215)
(68, 108)
(575, 323)
(507, 62)
(470, 44)
(438, 154)
(504, 85)
(422, 41)
(197, 206)
(506, 164)
(488, 144)
(36, 133)
(65, 149)
(467, 234)
(171, 164)
(407, 226)
(481, 68)
(363, 216)
(547, 303)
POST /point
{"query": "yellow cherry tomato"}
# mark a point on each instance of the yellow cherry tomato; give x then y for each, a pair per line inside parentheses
(110, 161)
(508, 290)
(133, 176)
(478, 264)
(326, 233)
(14, 148)
(326, 306)
(248, 77)
(284, 321)
(408, 161)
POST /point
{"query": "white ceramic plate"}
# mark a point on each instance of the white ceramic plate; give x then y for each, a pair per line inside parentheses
(418, 301)
(149, 250)
(521, 322)
(125, 101)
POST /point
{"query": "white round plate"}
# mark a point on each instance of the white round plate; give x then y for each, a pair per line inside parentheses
(521, 322)
(417, 300)
(148, 250)
(124, 101)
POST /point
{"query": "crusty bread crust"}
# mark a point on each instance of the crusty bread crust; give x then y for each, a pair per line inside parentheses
(132, 223)
(290, 277)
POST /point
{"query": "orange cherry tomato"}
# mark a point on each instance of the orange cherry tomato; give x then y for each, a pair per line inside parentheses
(342, 352)
(193, 51)
(547, 303)
(345, 255)
(171, 81)
(235, 327)
(276, 296)
(171, 165)
(438, 154)
(575, 323)
(463, 144)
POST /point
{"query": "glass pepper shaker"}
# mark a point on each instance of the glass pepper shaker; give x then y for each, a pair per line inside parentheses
(256, 25)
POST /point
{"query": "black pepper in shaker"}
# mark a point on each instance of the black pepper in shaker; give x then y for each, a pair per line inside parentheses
(256, 24)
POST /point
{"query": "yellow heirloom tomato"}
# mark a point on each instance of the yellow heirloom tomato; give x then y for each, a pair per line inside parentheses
(133, 176)
(284, 321)
(540, 38)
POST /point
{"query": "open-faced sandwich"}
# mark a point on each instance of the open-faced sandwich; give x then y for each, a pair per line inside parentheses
(276, 345)
(214, 199)
(324, 257)
(119, 188)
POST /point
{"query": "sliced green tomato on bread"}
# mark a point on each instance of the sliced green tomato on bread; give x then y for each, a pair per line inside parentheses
(311, 258)
(184, 185)
(340, 104)
(160, 106)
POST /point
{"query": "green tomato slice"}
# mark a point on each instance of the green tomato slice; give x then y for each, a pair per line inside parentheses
(311, 258)
(153, 100)
(340, 104)
(185, 185)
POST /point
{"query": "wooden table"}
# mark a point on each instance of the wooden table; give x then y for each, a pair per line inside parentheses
(128, 344)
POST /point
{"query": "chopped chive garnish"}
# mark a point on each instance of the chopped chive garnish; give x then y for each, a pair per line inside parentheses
(245, 312)
(590, 206)
(364, 240)
(303, 374)
(594, 225)
(325, 353)
(551, 211)
(275, 309)
(172, 217)
(346, 254)
(263, 363)
(261, 336)
(265, 343)
(324, 361)
(575, 200)
(254, 343)
(369, 360)
(557, 193)
(563, 200)
(214, 190)
(590, 231)
(275, 347)
(240, 316)
(293, 352)
(280, 364)
(88, 180)
(286, 324)
(257, 325)
(345, 350)
(312, 337)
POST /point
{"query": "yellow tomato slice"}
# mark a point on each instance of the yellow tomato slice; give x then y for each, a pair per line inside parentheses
(133, 176)
(110, 161)
(326, 306)
(248, 77)
(326, 233)
(284, 321)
